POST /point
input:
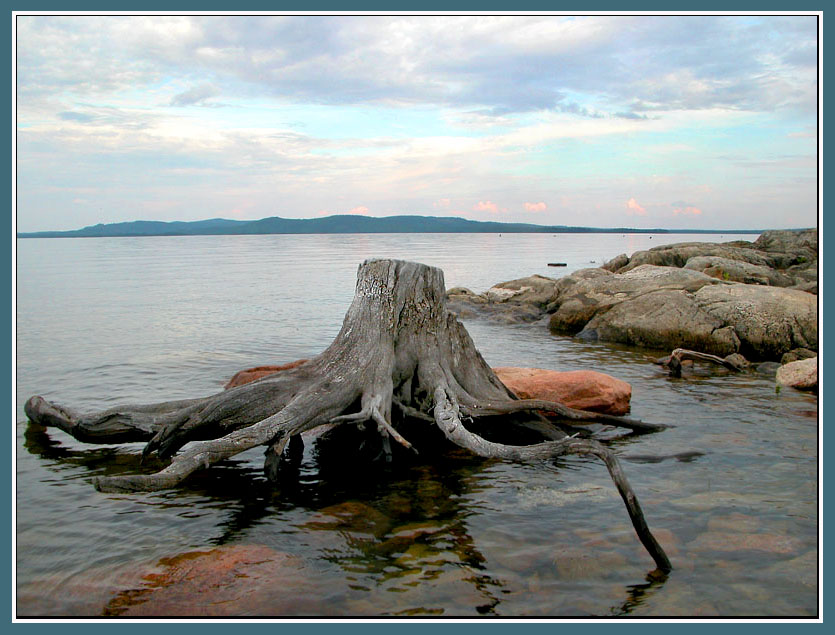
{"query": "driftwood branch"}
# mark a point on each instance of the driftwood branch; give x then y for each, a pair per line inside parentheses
(674, 359)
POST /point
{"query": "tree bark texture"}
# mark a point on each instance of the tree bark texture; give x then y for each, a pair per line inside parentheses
(398, 348)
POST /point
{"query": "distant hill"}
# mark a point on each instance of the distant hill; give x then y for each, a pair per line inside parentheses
(340, 224)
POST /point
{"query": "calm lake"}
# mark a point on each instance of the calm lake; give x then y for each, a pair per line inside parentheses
(114, 320)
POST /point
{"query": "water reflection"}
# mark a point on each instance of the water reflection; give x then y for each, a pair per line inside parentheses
(398, 534)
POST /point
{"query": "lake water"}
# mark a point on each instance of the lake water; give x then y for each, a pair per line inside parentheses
(104, 321)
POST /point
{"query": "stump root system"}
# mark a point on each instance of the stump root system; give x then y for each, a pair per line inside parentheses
(399, 348)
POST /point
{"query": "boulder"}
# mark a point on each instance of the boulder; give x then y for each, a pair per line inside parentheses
(666, 308)
(802, 374)
(797, 354)
(533, 289)
(512, 302)
(581, 389)
(738, 271)
(802, 244)
(768, 321)
(251, 374)
(665, 319)
(616, 263)
(581, 296)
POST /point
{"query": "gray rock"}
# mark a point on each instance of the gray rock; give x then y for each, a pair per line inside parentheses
(807, 287)
(616, 263)
(664, 319)
(738, 271)
(737, 360)
(797, 354)
(512, 302)
(536, 289)
(583, 294)
(677, 255)
(665, 307)
(803, 243)
(464, 294)
(768, 321)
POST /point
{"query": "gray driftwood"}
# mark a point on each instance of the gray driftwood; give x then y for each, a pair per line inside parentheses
(673, 361)
(398, 347)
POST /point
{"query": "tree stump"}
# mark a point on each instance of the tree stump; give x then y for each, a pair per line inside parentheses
(399, 348)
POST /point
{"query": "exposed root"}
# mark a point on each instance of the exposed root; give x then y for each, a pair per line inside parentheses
(572, 414)
(372, 413)
(447, 415)
(300, 415)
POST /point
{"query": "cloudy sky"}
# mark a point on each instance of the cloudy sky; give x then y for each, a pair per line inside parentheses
(638, 121)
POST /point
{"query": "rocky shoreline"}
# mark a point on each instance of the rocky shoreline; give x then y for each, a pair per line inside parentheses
(758, 300)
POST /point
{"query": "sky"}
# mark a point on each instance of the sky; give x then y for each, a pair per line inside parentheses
(680, 122)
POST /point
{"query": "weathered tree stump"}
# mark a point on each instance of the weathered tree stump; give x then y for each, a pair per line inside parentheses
(399, 348)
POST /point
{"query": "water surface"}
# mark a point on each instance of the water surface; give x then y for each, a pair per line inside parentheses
(104, 321)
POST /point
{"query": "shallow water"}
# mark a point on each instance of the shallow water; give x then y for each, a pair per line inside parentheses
(104, 321)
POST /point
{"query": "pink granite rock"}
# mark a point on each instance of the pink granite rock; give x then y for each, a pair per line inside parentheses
(581, 389)
(251, 374)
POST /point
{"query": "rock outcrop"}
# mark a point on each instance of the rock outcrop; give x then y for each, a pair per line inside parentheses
(666, 308)
(757, 299)
(515, 301)
(782, 258)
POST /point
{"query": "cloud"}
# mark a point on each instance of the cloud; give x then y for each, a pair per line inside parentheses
(486, 206)
(536, 207)
(632, 207)
(689, 210)
(441, 202)
(360, 210)
(497, 64)
(195, 95)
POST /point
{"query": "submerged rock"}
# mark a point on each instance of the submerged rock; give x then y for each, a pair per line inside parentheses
(227, 581)
(581, 389)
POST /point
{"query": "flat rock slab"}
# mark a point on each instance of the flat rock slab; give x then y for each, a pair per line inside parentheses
(581, 389)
